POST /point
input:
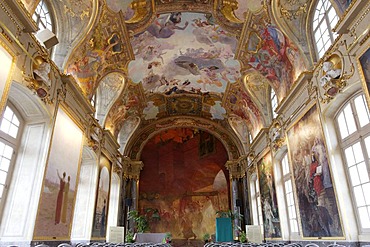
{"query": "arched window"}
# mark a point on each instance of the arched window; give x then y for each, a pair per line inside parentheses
(42, 16)
(288, 191)
(250, 137)
(354, 134)
(10, 125)
(274, 103)
(258, 199)
(324, 21)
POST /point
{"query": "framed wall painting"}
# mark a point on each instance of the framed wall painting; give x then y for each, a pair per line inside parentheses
(56, 206)
(364, 69)
(271, 220)
(101, 209)
(316, 197)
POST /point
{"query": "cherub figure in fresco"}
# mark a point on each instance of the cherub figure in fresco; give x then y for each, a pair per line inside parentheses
(165, 26)
(87, 69)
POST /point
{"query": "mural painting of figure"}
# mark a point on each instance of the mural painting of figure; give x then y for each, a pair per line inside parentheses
(65, 200)
(58, 209)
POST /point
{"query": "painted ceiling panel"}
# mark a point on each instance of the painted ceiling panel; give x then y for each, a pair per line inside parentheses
(184, 50)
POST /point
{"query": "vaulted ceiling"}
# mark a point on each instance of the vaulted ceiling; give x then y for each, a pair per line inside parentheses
(148, 61)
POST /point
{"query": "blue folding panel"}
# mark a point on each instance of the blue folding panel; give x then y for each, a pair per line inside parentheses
(224, 230)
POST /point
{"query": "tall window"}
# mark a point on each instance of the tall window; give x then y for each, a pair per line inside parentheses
(289, 194)
(354, 131)
(250, 137)
(9, 131)
(274, 103)
(324, 21)
(42, 16)
(258, 199)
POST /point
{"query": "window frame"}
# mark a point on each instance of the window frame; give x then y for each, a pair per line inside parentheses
(350, 140)
(44, 5)
(327, 6)
(14, 143)
(285, 178)
(274, 103)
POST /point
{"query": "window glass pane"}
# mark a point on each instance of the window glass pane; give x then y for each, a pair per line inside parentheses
(364, 217)
(354, 176)
(2, 146)
(359, 195)
(13, 131)
(15, 120)
(342, 126)
(362, 171)
(349, 119)
(367, 144)
(366, 188)
(4, 164)
(2, 177)
(350, 156)
(359, 157)
(288, 187)
(362, 111)
(8, 114)
(8, 151)
(5, 125)
(331, 14)
(42, 16)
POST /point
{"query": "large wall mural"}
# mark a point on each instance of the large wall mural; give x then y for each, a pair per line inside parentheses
(55, 212)
(312, 177)
(184, 51)
(271, 220)
(185, 179)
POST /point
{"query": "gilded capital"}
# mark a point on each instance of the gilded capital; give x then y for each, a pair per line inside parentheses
(237, 168)
(131, 169)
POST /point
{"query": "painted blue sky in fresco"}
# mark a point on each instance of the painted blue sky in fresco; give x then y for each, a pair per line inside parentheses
(186, 51)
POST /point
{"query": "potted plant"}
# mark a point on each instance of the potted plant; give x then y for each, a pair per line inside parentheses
(206, 237)
(142, 220)
(167, 238)
(129, 238)
(242, 237)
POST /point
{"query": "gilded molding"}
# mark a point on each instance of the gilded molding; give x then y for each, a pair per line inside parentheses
(293, 14)
(358, 21)
(227, 9)
(276, 135)
(141, 11)
(131, 169)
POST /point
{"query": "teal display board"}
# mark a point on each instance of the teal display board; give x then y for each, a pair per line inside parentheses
(224, 230)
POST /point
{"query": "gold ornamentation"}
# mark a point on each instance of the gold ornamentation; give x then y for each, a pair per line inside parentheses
(228, 8)
(330, 82)
(131, 169)
(237, 168)
(38, 88)
(141, 10)
(2, 32)
(293, 14)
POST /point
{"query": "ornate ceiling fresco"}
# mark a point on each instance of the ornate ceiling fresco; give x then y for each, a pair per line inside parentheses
(148, 60)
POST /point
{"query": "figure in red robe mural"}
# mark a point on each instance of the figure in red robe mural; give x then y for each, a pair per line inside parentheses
(58, 209)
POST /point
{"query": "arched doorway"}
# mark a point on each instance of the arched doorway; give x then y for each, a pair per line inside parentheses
(185, 179)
